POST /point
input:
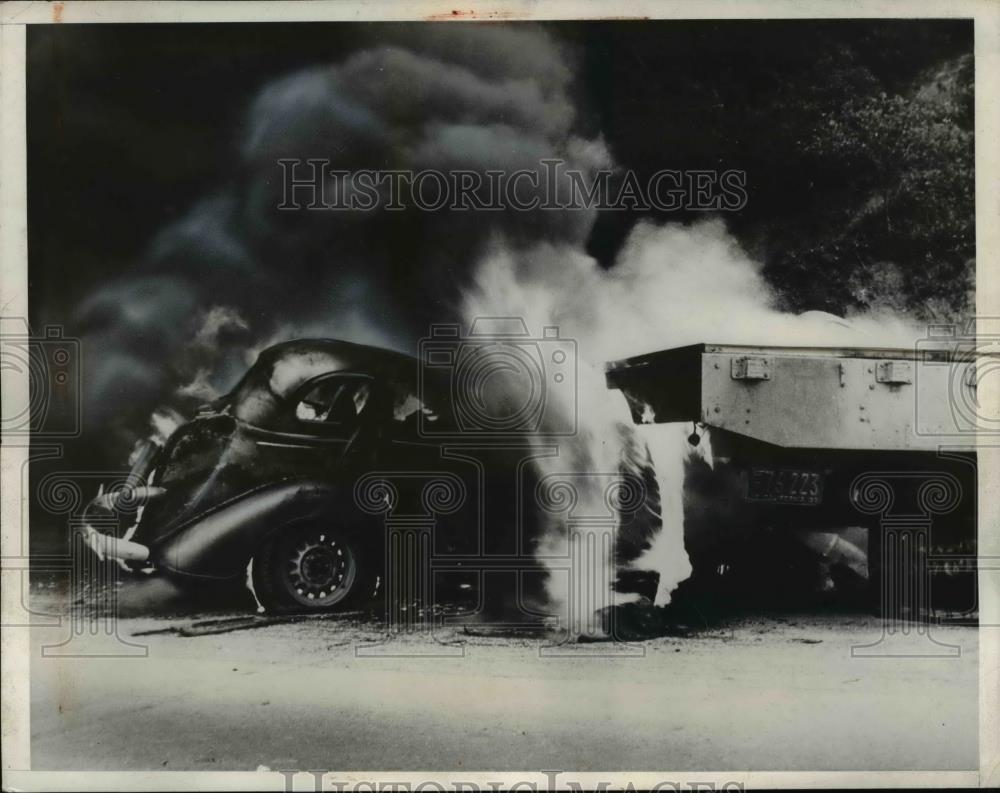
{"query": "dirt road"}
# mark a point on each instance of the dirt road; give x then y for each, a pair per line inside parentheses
(771, 694)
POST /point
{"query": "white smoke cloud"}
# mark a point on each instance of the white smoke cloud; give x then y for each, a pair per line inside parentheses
(671, 285)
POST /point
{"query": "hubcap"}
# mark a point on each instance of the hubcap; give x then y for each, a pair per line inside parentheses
(319, 570)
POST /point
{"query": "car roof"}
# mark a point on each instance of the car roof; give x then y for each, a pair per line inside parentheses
(281, 370)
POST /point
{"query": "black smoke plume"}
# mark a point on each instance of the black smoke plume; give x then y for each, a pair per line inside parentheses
(238, 272)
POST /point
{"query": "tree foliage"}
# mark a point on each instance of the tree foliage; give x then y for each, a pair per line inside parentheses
(902, 233)
(857, 142)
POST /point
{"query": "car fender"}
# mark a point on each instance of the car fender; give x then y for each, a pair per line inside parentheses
(220, 543)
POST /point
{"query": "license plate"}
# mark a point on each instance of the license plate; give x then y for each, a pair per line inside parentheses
(785, 485)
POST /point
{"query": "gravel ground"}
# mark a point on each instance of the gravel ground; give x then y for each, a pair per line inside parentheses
(230, 691)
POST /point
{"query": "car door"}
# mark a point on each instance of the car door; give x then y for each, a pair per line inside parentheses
(326, 428)
(431, 479)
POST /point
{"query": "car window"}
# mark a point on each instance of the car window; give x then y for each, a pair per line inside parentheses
(410, 412)
(337, 400)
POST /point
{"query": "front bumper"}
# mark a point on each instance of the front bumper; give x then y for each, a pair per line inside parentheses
(108, 546)
(108, 507)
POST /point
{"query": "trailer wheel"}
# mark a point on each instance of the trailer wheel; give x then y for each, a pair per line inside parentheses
(313, 567)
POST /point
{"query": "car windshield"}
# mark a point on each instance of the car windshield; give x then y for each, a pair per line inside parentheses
(334, 400)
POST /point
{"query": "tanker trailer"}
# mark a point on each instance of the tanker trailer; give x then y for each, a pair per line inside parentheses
(866, 455)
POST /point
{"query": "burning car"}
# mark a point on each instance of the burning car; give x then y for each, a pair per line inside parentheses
(298, 472)
(267, 476)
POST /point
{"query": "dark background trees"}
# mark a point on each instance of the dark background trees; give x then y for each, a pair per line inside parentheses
(856, 137)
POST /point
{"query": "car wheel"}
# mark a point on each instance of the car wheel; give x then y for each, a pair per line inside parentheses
(312, 567)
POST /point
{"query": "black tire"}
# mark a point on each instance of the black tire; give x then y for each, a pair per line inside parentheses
(314, 566)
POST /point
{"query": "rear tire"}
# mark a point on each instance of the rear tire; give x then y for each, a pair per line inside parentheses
(314, 566)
